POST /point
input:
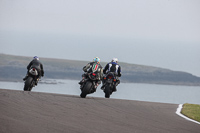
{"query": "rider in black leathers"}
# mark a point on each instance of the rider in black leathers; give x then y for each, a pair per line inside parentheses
(36, 64)
(93, 67)
(112, 66)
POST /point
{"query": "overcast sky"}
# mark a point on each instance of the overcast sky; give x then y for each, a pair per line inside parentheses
(162, 33)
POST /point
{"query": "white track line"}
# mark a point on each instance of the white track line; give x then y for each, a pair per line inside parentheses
(178, 112)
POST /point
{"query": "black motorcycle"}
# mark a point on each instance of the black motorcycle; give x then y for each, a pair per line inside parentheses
(109, 82)
(88, 85)
(31, 80)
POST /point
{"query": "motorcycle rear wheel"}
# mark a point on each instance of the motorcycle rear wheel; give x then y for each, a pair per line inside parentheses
(28, 84)
(86, 89)
(107, 91)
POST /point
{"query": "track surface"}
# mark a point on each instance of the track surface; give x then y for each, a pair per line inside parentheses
(34, 112)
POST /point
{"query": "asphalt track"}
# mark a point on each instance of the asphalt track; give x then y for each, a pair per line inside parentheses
(34, 112)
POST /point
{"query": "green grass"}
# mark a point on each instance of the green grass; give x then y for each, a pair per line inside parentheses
(192, 111)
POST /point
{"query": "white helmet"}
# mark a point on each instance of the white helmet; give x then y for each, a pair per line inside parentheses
(115, 60)
(35, 58)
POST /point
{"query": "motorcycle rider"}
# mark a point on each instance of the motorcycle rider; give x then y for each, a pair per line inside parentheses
(112, 66)
(39, 67)
(93, 67)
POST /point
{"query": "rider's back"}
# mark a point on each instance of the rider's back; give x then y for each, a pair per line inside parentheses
(35, 63)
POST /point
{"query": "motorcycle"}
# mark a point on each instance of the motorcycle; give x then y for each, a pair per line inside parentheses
(89, 84)
(110, 83)
(31, 80)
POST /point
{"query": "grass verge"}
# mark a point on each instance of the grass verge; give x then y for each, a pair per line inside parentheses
(191, 111)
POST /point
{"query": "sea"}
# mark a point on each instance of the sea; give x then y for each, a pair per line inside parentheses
(129, 91)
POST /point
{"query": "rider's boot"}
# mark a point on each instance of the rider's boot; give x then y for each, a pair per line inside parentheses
(102, 87)
(25, 78)
(36, 81)
(114, 88)
(82, 81)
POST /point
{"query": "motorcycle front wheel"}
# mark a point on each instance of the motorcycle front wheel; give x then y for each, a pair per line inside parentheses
(28, 84)
(86, 89)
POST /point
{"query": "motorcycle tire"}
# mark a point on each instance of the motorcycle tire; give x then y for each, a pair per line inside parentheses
(28, 84)
(107, 91)
(86, 89)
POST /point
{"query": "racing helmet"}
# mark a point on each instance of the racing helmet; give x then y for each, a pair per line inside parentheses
(96, 59)
(35, 58)
(115, 60)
